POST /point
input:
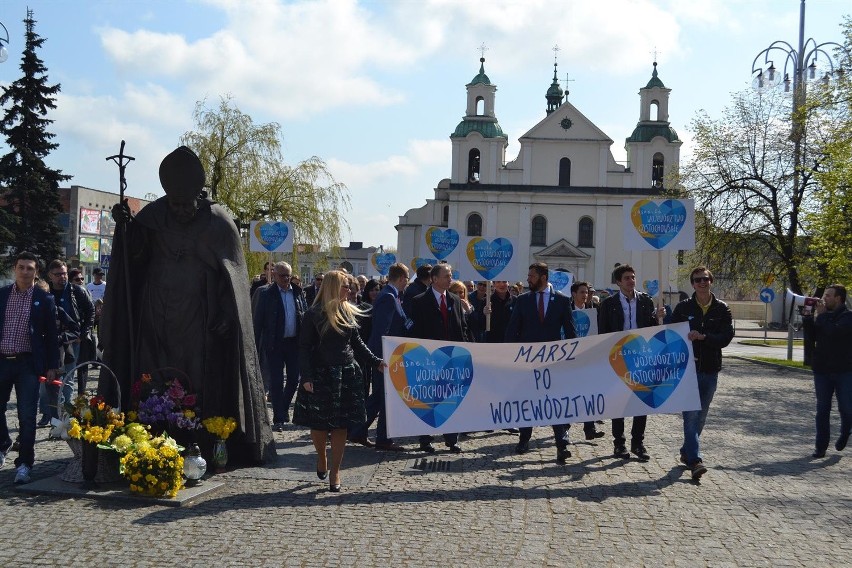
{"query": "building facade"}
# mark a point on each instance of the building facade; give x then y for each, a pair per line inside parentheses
(561, 197)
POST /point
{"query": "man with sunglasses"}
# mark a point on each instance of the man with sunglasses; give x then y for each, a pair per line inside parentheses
(711, 329)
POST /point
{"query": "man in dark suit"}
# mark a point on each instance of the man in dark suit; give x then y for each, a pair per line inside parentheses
(422, 281)
(29, 348)
(437, 314)
(542, 314)
(278, 312)
(388, 319)
(628, 309)
(311, 291)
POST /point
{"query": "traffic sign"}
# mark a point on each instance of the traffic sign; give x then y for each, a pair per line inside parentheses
(767, 295)
(105, 258)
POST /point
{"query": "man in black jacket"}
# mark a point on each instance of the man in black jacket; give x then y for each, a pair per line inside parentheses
(831, 331)
(710, 329)
(628, 309)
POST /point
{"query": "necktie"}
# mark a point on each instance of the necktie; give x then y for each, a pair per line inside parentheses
(445, 316)
(541, 307)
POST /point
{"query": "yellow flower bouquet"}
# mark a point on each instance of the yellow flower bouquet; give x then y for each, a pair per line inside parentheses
(220, 426)
(94, 421)
(154, 467)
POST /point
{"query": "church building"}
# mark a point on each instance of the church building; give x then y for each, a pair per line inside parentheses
(561, 198)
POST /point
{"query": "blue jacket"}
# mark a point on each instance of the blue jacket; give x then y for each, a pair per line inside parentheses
(268, 312)
(525, 326)
(43, 334)
(387, 319)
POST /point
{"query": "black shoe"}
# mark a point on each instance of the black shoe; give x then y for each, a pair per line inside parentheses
(454, 449)
(388, 447)
(640, 452)
(512, 430)
(45, 421)
(683, 459)
(277, 427)
(334, 487)
(841, 442)
(362, 441)
(594, 435)
(427, 447)
(522, 448)
(818, 454)
(698, 469)
(562, 455)
(620, 451)
(322, 474)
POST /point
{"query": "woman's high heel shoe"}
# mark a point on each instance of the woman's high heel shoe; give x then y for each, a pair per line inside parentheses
(322, 474)
(334, 488)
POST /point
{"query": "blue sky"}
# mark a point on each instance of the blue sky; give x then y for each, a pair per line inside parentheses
(376, 87)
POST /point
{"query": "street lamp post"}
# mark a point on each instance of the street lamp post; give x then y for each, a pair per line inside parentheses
(802, 62)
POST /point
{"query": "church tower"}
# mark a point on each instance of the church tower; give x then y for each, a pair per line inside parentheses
(654, 146)
(479, 145)
(554, 93)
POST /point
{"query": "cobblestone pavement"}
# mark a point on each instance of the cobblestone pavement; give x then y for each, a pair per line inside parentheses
(764, 502)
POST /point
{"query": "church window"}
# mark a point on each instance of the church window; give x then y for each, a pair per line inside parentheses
(538, 235)
(657, 170)
(480, 106)
(586, 229)
(446, 216)
(474, 225)
(473, 166)
(564, 172)
(655, 110)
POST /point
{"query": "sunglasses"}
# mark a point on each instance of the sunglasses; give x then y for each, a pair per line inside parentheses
(701, 279)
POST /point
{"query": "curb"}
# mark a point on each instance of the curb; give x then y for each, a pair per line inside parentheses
(768, 364)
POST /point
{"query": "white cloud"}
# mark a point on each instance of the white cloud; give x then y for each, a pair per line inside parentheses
(421, 155)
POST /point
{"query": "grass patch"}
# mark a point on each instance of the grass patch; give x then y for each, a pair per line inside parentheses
(783, 362)
(771, 342)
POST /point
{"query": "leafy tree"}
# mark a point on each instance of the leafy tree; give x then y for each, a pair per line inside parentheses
(29, 189)
(247, 175)
(750, 189)
(830, 223)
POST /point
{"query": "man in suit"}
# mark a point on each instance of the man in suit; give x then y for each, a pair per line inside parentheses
(422, 281)
(542, 314)
(437, 314)
(278, 312)
(388, 319)
(311, 291)
(628, 309)
(29, 348)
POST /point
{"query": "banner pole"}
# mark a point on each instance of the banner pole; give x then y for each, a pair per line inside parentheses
(488, 305)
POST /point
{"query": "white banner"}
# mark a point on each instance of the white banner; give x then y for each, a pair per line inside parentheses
(270, 236)
(659, 224)
(487, 259)
(434, 387)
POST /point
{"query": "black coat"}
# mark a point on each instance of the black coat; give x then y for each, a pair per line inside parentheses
(428, 324)
(716, 325)
(611, 316)
(832, 335)
(524, 324)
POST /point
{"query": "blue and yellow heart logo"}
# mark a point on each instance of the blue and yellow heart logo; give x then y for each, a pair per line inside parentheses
(432, 385)
(559, 280)
(442, 242)
(582, 323)
(658, 224)
(489, 258)
(271, 234)
(382, 262)
(652, 287)
(651, 369)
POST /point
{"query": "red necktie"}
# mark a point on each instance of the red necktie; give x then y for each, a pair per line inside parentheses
(541, 307)
(445, 316)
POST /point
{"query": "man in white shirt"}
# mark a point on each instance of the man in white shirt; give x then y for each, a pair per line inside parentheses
(97, 287)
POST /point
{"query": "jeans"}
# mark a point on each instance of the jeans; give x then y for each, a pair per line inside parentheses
(375, 409)
(825, 386)
(281, 394)
(20, 374)
(693, 420)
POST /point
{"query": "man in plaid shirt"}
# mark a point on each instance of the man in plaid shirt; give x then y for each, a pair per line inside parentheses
(28, 349)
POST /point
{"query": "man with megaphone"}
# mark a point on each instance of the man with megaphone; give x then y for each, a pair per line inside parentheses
(831, 330)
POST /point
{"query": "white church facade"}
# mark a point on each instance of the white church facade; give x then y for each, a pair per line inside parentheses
(561, 198)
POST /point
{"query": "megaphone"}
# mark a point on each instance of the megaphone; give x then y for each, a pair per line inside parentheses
(794, 299)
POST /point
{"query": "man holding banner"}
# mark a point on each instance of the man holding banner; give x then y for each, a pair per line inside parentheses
(628, 309)
(541, 314)
(711, 329)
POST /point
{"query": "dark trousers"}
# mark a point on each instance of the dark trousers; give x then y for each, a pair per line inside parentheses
(281, 394)
(560, 435)
(19, 373)
(826, 387)
(588, 427)
(375, 409)
(637, 431)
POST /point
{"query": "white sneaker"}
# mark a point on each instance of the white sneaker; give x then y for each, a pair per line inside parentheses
(22, 474)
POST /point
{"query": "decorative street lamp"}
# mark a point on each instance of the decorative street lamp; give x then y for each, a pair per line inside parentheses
(802, 64)
(4, 41)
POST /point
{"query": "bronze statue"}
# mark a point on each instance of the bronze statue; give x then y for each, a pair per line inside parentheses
(189, 305)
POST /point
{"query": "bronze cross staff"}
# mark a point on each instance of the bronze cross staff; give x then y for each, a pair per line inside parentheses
(122, 160)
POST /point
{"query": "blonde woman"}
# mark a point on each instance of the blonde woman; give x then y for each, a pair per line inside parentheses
(332, 395)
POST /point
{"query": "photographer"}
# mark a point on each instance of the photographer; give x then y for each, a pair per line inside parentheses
(831, 331)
